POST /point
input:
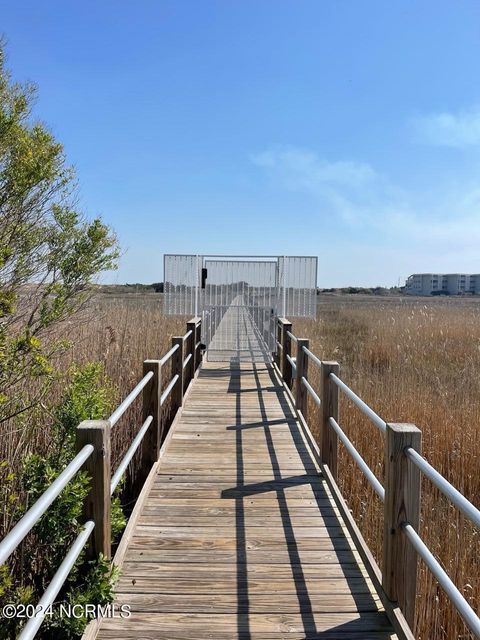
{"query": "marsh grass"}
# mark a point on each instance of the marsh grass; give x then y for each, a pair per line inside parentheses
(411, 360)
(418, 362)
(119, 332)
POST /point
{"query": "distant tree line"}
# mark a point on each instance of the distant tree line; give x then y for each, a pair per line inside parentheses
(370, 291)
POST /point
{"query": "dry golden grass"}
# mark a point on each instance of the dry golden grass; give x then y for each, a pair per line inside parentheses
(419, 362)
(411, 360)
(118, 331)
(121, 332)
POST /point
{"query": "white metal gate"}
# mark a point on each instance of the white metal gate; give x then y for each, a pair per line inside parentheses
(239, 308)
(240, 299)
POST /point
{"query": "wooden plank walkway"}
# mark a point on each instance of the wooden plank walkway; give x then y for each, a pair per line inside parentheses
(237, 339)
(238, 535)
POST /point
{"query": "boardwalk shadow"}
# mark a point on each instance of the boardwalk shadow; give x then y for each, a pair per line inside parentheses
(279, 484)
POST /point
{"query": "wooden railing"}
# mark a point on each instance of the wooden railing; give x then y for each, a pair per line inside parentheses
(404, 464)
(94, 446)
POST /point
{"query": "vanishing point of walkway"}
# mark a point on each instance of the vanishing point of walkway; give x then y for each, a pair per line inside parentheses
(238, 535)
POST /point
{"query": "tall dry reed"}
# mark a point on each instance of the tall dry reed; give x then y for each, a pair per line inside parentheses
(412, 361)
(118, 331)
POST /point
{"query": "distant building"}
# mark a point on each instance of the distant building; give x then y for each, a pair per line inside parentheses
(452, 284)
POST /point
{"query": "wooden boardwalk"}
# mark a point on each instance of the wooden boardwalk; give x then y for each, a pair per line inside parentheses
(236, 534)
(237, 338)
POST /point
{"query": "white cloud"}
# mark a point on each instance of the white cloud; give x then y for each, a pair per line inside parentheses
(458, 130)
(445, 224)
(304, 169)
(350, 190)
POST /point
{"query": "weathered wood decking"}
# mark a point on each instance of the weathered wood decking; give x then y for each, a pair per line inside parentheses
(238, 535)
(237, 337)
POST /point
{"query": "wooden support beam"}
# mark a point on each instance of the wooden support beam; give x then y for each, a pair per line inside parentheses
(286, 342)
(191, 342)
(177, 369)
(402, 504)
(329, 409)
(301, 393)
(198, 337)
(151, 407)
(97, 506)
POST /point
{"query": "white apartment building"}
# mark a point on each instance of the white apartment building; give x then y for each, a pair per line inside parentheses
(426, 284)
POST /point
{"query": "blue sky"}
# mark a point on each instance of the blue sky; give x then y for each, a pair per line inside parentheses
(345, 129)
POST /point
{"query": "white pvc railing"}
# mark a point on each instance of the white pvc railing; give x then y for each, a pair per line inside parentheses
(36, 511)
(465, 506)
(363, 466)
(34, 624)
(122, 467)
(33, 515)
(311, 391)
(377, 421)
(461, 605)
(123, 406)
(459, 500)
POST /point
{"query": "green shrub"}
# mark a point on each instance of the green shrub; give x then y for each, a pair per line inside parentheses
(88, 396)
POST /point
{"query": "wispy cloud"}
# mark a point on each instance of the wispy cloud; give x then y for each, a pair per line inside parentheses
(350, 190)
(303, 168)
(360, 197)
(458, 130)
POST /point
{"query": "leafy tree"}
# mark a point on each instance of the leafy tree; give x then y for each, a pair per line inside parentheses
(49, 253)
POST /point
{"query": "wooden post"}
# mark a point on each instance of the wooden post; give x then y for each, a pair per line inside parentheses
(301, 393)
(151, 407)
(286, 351)
(177, 369)
(402, 504)
(329, 409)
(198, 338)
(192, 341)
(276, 357)
(97, 505)
(199, 357)
(278, 334)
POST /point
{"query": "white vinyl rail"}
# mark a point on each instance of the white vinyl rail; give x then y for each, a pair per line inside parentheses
(168, 389)
(363, 466)
(377, 421)
(461, 605)
(169, 354)
(311, 391)
(120, 410)
(129, 455)
(34, 624)
(459, 500)
(312, 356)
(292, 362)
(36, 511)
(291, 336)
